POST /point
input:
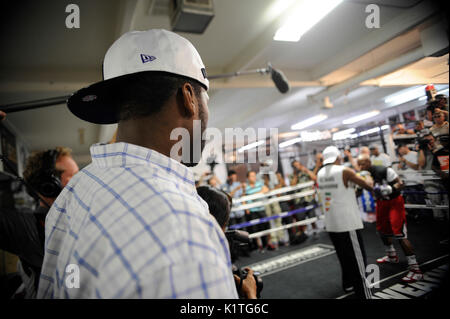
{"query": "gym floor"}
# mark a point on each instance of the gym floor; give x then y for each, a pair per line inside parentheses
(320, 278)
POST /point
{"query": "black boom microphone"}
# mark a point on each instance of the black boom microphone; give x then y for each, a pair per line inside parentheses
(278, 78)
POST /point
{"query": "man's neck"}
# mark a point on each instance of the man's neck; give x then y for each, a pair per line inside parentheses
(145, 133)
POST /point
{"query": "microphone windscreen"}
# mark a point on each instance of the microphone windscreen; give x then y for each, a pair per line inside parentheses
(280, 81)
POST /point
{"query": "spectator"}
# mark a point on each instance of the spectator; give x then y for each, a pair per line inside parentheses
(413, 190)
(442, 104)
(441, 160)
(319, 163)
(401, 130)
(379, 159)
(23, 234)
(275, 238)
(256, 187)
(235, 189)
(348, 158)
(420, 128)
(408, 158)
(303, 175)
(440, 126)
(427, 148)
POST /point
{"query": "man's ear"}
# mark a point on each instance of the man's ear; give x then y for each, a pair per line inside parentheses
(189, 101)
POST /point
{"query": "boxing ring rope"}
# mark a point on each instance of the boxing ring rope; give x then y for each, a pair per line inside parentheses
(299, 223)
(266, 219)
(265, 199)
(273, 192)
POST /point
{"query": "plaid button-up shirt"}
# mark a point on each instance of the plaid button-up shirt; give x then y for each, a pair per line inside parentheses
(133, 225)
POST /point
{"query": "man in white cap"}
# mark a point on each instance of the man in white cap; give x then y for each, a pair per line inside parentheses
(131, 224)
(342, 219)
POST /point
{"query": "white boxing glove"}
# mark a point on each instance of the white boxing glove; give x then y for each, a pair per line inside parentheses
(386, 190)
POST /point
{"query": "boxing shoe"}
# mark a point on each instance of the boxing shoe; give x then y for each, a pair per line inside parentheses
(388, 259)
(414, 274)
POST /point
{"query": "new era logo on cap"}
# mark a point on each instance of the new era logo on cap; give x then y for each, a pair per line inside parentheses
(147, 58)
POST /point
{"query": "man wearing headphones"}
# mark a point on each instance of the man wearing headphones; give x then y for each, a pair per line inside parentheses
(45, 175)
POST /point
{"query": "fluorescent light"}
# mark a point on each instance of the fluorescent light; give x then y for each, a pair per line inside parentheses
(354, 135)
(405, 96)
(315, 136)
(385, 127)
(308, 122)
(370, 131)
(342, 135)
(438, 92)
(250, 146)
(304, 17)
(290, 142)
(361, 117)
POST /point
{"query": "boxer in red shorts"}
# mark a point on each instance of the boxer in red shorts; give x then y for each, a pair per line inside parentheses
(391, 216)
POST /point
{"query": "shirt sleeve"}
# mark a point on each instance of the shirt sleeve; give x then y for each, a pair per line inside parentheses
(391, 175)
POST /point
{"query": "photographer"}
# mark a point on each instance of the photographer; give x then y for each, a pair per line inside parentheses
(441, 160)
(219, 204)
(427, 148)
(23, 234)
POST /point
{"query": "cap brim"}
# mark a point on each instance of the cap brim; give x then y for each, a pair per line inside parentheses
(330, 160)
(97, 103)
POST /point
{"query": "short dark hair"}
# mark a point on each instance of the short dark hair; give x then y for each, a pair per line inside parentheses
(145, 93)
(231, 172)
(401, 145)
(218, 201)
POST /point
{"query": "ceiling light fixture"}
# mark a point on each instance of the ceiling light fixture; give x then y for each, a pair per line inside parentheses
(308, 122)
(361, 117)
(405, 96)
(370, 131)
(250, 146)
(304, 17)
(290, 142)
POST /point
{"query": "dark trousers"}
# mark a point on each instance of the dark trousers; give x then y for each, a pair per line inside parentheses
(352, 257)
(258, 227)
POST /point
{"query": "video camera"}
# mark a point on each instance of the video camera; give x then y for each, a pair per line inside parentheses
(240, 238)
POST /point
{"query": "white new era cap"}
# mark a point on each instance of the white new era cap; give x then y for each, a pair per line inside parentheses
(330, 154)
(136, 51)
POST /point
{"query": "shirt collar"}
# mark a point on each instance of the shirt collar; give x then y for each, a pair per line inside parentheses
(127, 155)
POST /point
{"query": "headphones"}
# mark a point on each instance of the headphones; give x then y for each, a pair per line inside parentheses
(46, 182)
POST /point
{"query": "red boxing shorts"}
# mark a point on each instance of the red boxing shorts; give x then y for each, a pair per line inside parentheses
(391, 217)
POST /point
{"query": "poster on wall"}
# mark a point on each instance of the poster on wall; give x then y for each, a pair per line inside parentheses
(8, 144)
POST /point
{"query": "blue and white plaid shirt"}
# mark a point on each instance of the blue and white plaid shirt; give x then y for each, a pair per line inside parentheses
(134, 225)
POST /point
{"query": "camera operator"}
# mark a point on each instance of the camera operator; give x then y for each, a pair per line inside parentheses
(219, 204)
(23, 234)
(441, 160)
